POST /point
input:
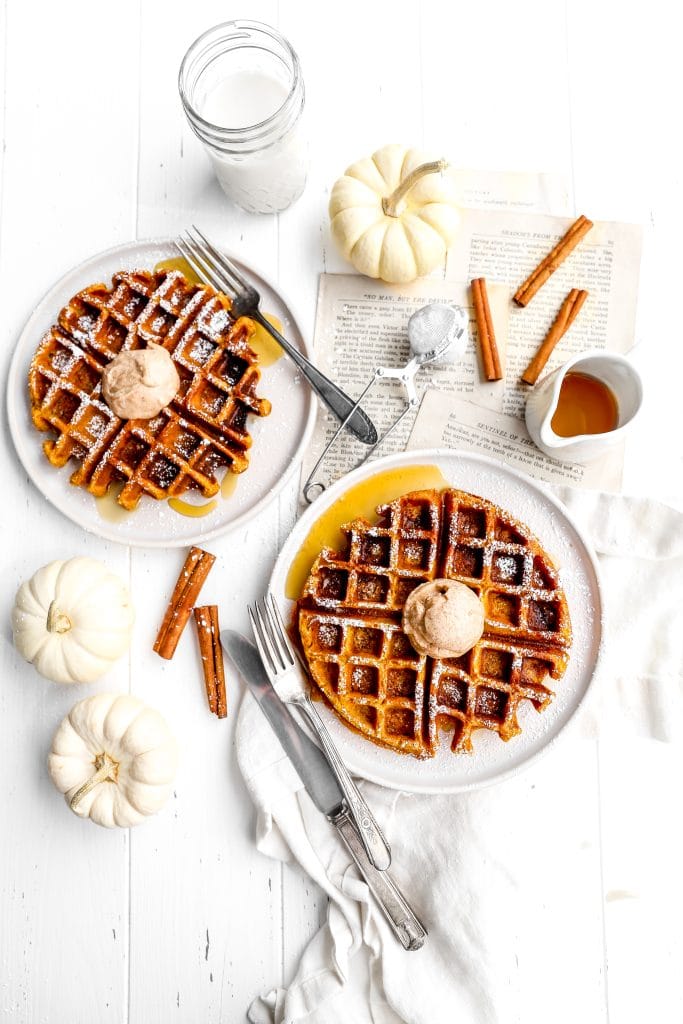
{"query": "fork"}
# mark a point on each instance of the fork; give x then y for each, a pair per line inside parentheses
(288, 676)
(215, 269)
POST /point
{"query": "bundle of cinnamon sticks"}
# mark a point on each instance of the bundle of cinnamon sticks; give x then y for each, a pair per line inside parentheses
(193, 574)
(537, 278)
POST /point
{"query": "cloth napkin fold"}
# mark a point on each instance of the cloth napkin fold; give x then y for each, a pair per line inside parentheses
(502, 875)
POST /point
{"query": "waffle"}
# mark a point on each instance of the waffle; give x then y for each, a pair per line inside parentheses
(201, 431)
(349, 620)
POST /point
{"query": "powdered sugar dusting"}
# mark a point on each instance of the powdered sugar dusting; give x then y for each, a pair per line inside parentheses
(492, 759)
(277, 440)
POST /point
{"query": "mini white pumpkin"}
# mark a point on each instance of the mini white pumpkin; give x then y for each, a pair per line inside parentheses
(114, 759)
(72, 619)
(394, 214)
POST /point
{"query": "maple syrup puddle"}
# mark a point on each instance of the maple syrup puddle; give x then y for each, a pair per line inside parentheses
(177, 263)
(265, 347)
(359, 501)
(108, 507)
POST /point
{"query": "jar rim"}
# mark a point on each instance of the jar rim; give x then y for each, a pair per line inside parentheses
(254, 131)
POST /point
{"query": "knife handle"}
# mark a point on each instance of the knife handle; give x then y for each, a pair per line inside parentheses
(372, 837)
(410, 932)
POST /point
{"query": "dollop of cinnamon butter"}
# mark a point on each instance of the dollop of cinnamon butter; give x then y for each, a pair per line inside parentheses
(137, 385)
(443, 618)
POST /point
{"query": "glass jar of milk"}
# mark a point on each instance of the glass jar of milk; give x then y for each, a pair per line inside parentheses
(241, 86)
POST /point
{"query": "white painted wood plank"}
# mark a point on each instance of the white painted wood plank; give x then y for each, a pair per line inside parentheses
(625, 81)
(494, 83)
(68, 190)
(198, 876)
(361, 69)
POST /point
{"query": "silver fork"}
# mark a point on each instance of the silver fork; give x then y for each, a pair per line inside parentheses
(289, 680)
(215, 269)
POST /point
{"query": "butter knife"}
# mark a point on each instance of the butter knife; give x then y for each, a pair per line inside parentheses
(321, 785)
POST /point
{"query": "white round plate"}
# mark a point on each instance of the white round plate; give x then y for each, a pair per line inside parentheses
(492, 758)
(279, 440)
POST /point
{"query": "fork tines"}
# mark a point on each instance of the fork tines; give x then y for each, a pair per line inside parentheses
(209, 263)
(270, 636)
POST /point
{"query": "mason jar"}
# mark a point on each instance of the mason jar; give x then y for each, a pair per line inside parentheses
(242, 91)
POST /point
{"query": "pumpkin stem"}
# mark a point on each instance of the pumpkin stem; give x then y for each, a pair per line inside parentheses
(57, 622)
(106, 769)
(390, 203)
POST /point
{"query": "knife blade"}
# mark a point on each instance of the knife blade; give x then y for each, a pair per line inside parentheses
(309, 762)
(321, 785)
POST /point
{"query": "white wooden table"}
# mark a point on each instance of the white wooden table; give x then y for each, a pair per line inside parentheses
(181, 919)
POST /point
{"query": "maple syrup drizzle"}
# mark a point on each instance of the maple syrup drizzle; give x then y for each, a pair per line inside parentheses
(184, 508)
(228, 484)
(585, 405)
(359, 501)
(108, 507)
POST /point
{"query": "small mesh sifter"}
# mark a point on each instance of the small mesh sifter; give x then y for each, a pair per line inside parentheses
(436, 334)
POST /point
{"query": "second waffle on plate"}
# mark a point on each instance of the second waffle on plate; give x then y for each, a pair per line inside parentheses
(349, 621)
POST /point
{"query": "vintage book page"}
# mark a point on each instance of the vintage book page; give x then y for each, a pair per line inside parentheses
(362, 324)
(512, 190)
(505, 247)
(445, 421)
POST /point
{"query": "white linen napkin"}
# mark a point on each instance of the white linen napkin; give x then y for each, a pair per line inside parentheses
(504, 876)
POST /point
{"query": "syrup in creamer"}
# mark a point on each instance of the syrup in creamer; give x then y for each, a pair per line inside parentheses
(585, 405)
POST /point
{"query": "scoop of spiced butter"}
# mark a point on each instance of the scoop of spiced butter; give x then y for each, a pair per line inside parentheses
(138, 384)
(443, 618)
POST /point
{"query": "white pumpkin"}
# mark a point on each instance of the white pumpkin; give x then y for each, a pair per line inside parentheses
(395, 214)
(114, 759)
(72, 619)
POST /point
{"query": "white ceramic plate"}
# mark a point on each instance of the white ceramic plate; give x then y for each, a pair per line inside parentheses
(492, 758)
(279, 440)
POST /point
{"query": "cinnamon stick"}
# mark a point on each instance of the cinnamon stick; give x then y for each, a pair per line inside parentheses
(191, 580)
(487, 336)
(208, 634)
(555, 258)
(565, 318)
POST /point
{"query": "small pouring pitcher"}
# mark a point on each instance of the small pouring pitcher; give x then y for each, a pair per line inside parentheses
(613, 370)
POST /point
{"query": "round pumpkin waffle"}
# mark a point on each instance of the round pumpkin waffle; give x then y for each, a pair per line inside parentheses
(349, 620)
(202, 430)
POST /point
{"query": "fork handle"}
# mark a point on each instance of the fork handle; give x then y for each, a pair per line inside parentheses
(336, 400)
(370, 833)
(405, 924)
